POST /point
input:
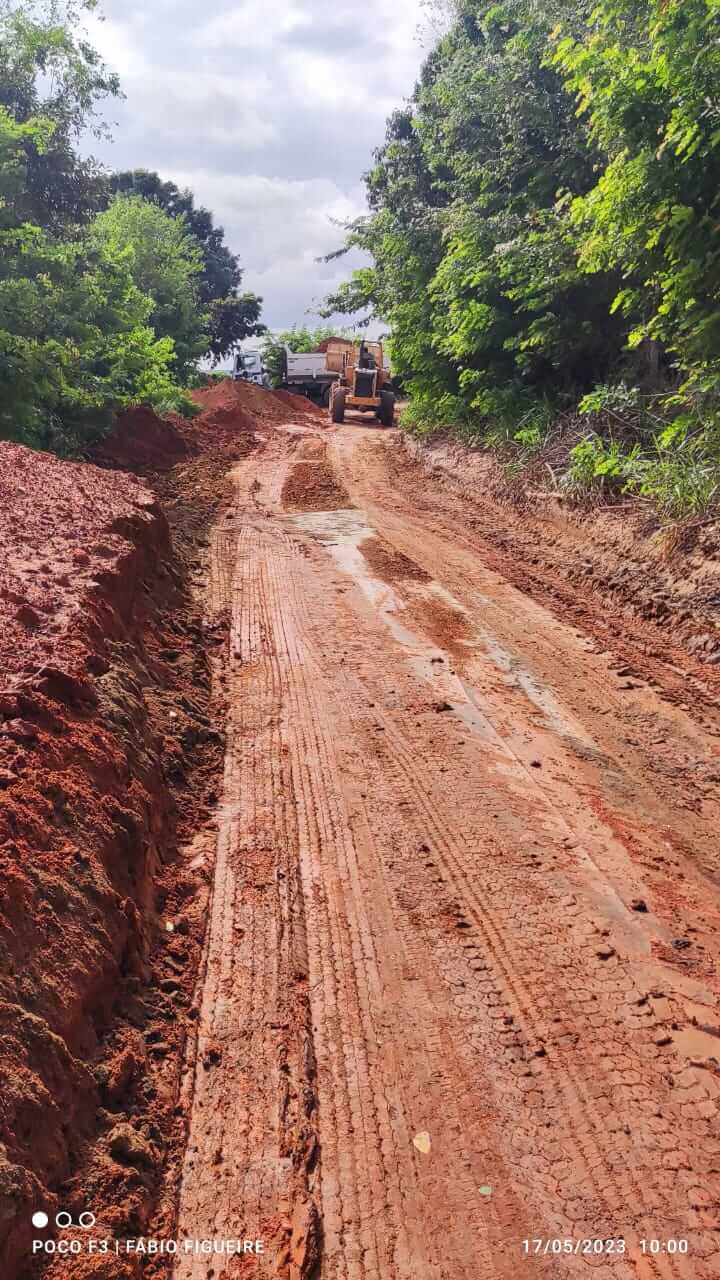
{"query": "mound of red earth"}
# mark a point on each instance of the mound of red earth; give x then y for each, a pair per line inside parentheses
(300, 404)
(78, 825)
(141, 440)
(246, 398)
(145, 443)
(64, 529)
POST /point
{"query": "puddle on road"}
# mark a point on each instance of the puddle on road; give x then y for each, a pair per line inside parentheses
(553, 715)
(343, 533)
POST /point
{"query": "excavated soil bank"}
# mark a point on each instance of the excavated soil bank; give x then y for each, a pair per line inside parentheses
(86, 823)
(109, 768)
(141, 441)
(664, 573)
(147, 445)
(625, 579)
(66, 532)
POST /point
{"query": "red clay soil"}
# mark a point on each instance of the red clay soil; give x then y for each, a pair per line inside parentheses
(142, 441)
(81, 826)
(108, 760)
(313, 486)
(301, 403)
(390, 564)
(216, 427)
(63, 532)
(264, 406)
(665, 573)
(432, 966)
(106, 751)
(146, 444)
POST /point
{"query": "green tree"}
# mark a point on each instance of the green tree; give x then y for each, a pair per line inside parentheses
(165, 263)
(647, 79)
(474, 262)
(232, 316)
(48, 70)
(543, 233)
(403, 235)
(15, 139)
(80, 333)
(75, 344)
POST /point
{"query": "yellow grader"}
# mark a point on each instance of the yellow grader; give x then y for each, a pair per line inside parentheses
(363, 380)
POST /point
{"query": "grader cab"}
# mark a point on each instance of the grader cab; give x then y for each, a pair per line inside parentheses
(363, 381)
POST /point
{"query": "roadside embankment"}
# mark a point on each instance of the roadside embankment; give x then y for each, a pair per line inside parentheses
(666, 574)
(109, 771)
(86, 824)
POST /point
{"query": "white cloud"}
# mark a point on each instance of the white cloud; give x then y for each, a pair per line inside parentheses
(268, 110)
(254, 25)
(281, 228)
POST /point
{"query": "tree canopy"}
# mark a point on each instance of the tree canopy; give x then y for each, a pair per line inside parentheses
(75, 338)
(543, 218)
(106, 299)
(165, 263)
(232, 316)
(49, 70)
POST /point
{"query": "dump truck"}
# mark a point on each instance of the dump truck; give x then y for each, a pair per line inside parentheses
(363, 381)
(306, 373)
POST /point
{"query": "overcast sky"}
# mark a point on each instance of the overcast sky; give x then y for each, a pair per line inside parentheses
(268, 110)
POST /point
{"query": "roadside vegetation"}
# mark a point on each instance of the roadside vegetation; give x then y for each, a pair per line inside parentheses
(113, 288)
(544, 230)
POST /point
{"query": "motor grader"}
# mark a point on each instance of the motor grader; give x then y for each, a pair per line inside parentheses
(363, 381)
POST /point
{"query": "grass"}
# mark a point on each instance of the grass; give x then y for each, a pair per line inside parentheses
(618, 446)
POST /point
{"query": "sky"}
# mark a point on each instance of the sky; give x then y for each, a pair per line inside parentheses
(268, 110)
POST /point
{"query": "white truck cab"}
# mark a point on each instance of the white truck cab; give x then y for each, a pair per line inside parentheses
(249, 366)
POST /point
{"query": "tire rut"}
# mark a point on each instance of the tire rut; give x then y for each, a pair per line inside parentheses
(399, 943)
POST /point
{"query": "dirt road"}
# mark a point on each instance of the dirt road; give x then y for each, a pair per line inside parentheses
(460, 977)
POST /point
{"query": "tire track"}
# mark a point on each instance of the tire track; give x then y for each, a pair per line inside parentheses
(398, 941)
(384, 926)
(328, 834)
(383, 1215)
(251, 1142)
(622, 1196)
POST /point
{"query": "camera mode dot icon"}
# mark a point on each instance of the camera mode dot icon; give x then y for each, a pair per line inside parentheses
(40, 1219)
